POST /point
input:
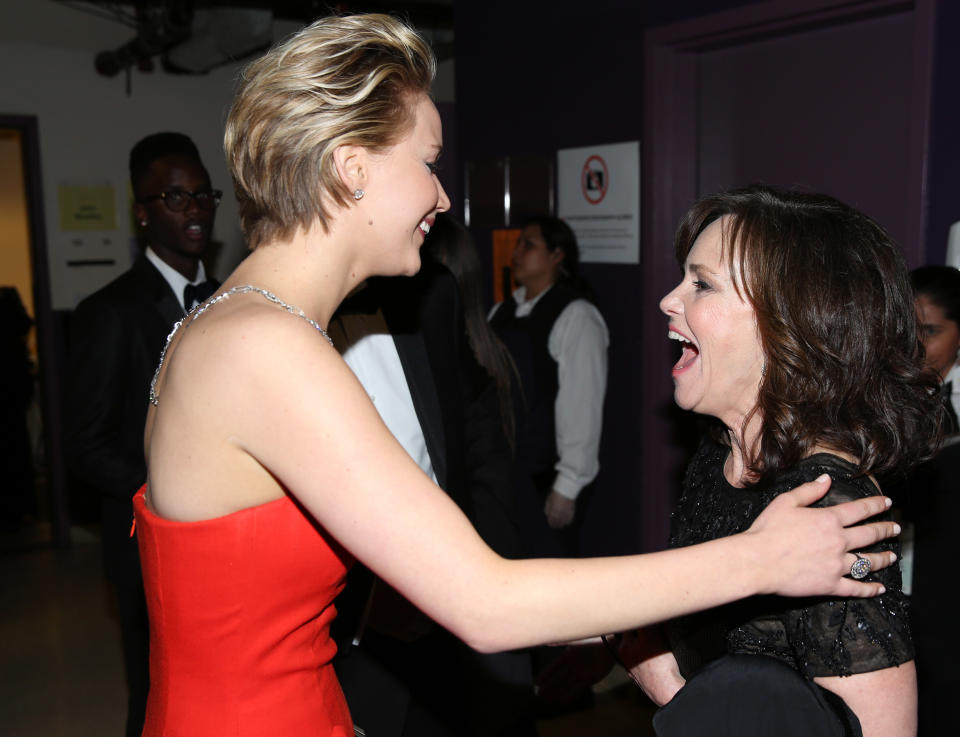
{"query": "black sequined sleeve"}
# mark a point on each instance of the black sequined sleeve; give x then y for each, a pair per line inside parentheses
(839, 637)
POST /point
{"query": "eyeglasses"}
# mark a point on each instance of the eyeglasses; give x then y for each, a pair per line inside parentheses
(177, 200)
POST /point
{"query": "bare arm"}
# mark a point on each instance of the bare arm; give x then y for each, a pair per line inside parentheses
(313, 429)
(885, 701)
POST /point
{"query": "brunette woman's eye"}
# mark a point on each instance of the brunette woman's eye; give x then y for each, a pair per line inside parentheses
(700, 284)
(433, 166)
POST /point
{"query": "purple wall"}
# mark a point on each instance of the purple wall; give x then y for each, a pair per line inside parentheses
(943, 168)
(532, 81)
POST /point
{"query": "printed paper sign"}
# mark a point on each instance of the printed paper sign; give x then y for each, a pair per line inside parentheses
(598, 194)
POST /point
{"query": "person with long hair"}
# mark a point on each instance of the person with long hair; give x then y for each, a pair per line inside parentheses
(450, 244)
(799, 340)
(270, 471)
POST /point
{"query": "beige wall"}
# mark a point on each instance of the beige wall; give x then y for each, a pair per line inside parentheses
(88, 123)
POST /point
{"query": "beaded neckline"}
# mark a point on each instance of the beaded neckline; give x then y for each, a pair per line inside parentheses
(204, 306)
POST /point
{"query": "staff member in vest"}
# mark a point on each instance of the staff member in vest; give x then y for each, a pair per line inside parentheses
(558, 340)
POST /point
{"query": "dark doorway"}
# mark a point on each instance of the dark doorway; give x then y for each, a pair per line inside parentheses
(22, 147)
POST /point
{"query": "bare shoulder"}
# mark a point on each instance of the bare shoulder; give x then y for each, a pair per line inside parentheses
(242, 401)
(245, 359)
(242, 337)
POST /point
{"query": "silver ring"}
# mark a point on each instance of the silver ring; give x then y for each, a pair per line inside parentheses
(861, 568)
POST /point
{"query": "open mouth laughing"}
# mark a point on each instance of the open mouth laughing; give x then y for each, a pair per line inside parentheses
(690, 351)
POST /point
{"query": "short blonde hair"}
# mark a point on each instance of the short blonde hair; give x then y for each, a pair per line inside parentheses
(343, 80)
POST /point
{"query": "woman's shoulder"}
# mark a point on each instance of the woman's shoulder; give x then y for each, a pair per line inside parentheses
(846, 484)
(240, 339)
(253, 321)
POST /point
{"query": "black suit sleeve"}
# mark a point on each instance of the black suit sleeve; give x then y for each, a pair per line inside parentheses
(489, 464)
(102, 445)
(487, 458)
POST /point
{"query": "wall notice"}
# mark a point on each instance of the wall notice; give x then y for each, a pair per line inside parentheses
(87, 251)
(598, 194)
(87, 208)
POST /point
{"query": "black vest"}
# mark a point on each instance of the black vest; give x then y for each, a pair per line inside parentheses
(526, 338)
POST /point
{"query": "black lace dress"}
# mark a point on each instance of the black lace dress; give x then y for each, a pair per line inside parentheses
(814, 636)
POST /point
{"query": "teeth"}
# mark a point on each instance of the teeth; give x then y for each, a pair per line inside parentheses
(425, 227)
(673, 335)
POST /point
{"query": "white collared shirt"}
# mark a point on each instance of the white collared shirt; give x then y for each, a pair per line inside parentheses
(174, 278)
(578, 342)
(954, 376)
(367, 346)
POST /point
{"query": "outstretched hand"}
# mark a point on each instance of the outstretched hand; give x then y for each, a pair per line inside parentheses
(806, 551)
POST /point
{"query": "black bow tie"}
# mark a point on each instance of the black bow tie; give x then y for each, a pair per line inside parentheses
(196, 293)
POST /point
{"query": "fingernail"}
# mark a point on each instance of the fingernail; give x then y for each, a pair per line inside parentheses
(887, 502)
(896, 529)
(894, 557)
(883, 590)
(824, 478)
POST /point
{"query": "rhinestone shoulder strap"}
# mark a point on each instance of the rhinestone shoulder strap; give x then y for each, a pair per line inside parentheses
(204, 306)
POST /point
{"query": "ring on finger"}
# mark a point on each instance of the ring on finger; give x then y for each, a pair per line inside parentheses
(861, 567)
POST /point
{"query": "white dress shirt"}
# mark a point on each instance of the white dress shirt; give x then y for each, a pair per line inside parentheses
(954, 376)
(366, 345)
(175, 279)
(578, 342)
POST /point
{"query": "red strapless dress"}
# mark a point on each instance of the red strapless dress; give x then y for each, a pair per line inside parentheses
(240, 611)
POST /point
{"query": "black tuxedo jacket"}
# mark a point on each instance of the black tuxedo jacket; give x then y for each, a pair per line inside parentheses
(455, 400)
(458, 410)
(116, 337)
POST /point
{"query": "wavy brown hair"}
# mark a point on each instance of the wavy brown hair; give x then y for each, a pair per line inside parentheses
(837, 325)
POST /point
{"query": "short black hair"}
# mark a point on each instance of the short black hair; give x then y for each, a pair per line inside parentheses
(157, 146)
(941, 285)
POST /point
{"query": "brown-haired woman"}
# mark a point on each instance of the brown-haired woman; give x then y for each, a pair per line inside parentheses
(798, 334)
(267, 461)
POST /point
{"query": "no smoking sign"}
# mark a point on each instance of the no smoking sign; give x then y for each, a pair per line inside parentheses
(594, 179)
(598, 194)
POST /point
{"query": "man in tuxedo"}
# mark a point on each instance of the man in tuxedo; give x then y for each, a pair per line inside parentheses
(405, 340)
(116, 337)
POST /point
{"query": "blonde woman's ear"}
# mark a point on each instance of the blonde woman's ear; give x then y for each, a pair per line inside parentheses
(351, 163)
